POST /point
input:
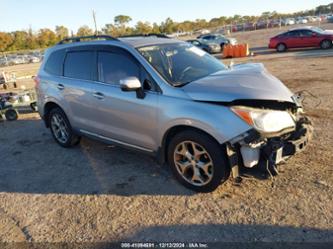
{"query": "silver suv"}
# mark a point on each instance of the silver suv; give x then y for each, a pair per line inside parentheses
(170, 99)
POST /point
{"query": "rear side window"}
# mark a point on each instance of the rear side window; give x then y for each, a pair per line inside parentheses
(55, 62)
(113, 67)
(80, 65)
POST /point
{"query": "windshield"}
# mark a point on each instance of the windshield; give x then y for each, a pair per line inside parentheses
(181, 63)
(319, 30)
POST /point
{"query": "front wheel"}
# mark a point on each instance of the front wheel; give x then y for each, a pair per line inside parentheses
(61, 129)
(326, 44)
(198, 161)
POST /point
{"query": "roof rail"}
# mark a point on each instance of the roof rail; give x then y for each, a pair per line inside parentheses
(146, 35)
(91, 37)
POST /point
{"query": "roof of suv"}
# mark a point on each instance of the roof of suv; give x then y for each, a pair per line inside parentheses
(139, 41)
(134, 41)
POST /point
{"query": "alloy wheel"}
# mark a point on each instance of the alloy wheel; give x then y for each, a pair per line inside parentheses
(326, 44)
(59, 128)
(193, 163)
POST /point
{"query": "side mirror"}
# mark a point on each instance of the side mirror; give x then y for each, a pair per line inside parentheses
(130, 84)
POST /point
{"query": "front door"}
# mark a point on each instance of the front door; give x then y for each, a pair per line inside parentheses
(122, 116)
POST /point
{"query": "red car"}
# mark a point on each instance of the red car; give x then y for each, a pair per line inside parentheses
(301, 38)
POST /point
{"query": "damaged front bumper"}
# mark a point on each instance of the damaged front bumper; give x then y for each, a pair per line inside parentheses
(254, 150)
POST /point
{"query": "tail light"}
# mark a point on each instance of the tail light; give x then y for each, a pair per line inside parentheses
(37, 81)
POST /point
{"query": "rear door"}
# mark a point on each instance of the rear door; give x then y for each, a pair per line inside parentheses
(121, 116)
(79, 72)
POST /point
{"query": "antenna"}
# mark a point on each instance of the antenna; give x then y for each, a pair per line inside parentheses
(94, 17)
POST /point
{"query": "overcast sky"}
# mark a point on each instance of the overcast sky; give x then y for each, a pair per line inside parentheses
(18, 15)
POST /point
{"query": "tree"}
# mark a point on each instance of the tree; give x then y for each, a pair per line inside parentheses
(156, 28)
(46, 38)
(61, 32)
(168, 26)
(143, 28)
(110, 29)
(5, 41)
(84, 31)
(120, 25)
(19, 40)
(122, 20)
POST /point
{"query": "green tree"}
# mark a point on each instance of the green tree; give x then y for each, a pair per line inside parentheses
(120, 25)
(168, 26)
(61, 32)
(122, 20)
(143, 28)
(156, 28)
(84, 31)
(19, 40)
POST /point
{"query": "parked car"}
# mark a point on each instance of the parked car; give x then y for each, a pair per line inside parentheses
(211, 48)
(170, 99)
(301, 38)
(217, 39)
(301, 20)
(289, 21)
(330, 19)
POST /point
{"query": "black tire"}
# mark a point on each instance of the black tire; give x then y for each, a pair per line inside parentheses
(11, 115)
(72, 139)
(5, 86)
(221, 168)
(326, 44)
(281, 47)
(15, 85)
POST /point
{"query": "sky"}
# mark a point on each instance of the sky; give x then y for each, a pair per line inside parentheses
(22, 14)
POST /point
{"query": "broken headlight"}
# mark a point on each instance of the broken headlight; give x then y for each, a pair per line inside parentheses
(265, 121)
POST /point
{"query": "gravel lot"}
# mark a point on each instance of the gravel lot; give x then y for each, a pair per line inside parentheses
(96, 192)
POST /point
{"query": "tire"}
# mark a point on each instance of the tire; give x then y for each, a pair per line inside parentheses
(5, 86)
(11, 115)
(61, 129)
(15, 85)
(281, 47)
(218, 169)
(326, 44)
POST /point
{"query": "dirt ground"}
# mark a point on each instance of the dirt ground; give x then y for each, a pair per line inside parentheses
(96, 192)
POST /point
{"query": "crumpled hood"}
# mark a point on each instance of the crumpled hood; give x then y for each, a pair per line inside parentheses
(244, 81)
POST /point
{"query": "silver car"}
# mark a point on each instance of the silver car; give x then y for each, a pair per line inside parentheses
(218, 39)
(172, 100)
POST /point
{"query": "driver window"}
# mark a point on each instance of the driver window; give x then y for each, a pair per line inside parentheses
(113, 67)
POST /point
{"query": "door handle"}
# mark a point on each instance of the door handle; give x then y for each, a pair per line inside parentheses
(98, 95)
(60, 86)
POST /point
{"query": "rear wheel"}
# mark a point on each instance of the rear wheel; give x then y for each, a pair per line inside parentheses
(281, 47)
(61, 129)
(326, 44)
(198, 161)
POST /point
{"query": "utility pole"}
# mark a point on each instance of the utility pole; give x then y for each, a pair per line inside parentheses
(94, 17)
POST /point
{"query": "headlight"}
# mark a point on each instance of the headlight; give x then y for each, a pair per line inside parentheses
(266, 121)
